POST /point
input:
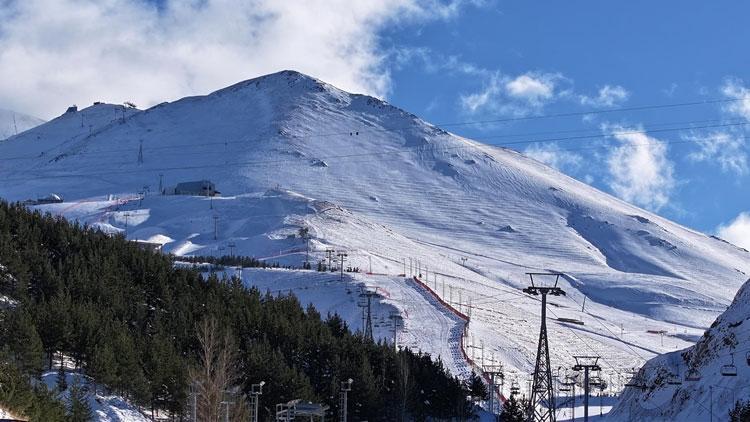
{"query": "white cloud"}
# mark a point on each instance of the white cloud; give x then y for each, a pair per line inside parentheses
(57, 52)
(639, 169)
(551, 155)
(727, 149)
(505, 95)
(608, 96)
(518, 95)
(484, 98)
(737, 231)
(734, 88)
(532, 87)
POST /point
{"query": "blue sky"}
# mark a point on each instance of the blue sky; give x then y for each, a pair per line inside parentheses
(657, 52)
(446, 61)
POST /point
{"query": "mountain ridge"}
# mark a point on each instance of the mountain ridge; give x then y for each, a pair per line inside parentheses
(411, 191)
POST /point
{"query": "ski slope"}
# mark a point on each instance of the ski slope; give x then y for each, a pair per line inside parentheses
(397, 194)
(682, 385)
(426, 326)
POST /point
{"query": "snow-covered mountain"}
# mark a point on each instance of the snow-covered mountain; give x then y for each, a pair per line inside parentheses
(716, 368)
(288, 151)
(12, 123)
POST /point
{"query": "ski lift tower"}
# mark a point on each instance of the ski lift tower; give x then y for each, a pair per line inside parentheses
(542, 398)
(586, 364)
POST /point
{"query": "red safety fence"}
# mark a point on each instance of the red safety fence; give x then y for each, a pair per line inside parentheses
(465, 319)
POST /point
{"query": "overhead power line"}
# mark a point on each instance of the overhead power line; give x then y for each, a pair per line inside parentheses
(512, 119)
(605, 111)
(395, 151)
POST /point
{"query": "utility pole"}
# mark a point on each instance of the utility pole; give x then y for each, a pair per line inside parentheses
(404, 267)
(586, 363)
(329, 254)
(342, 256)
(127, 216)
(346, 387)
(255, 391)
(161, 183)
(231, 246)
(397, 322)
(226, 404)
(140, 152)
(494, 370)
(541, 405)
(193, 403)
(216, 227)
(571, 383)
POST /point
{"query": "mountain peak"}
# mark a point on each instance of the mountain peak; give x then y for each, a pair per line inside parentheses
(282, 80)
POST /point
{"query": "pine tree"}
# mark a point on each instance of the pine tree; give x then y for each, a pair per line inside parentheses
(512, 411)
(741, 412)
(25, 344)
(62, 382)
(79, 409)
(477, 388)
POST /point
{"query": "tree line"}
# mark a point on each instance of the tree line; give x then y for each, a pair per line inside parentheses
(128, 318)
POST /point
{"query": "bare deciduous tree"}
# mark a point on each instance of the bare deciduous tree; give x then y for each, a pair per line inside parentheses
(215, 378)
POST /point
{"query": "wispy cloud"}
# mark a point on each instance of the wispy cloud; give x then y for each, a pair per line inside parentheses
(608, 96)
(737, 231)
(551, 155)
(518, 95)
(725, 148)
(640, 170)
(57, 52)
(735, 88)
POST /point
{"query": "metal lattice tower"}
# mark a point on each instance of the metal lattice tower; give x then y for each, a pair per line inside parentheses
(367, 305)
(542, 398)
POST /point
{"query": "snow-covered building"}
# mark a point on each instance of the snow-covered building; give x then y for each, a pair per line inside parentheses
(197, 188)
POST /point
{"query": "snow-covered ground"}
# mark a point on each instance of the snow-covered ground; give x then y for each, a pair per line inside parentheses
(396, 194)
(691, 384)
(104, 408)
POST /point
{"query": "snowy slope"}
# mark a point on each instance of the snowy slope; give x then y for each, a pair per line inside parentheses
(699, 369)
(12, 123)
(104, 407)
(288, 151)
